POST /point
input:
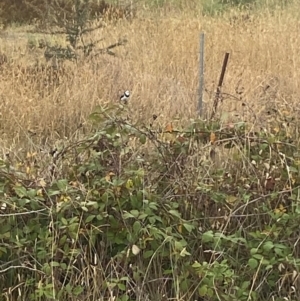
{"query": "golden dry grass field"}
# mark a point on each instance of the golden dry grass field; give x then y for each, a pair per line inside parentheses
(159, 65)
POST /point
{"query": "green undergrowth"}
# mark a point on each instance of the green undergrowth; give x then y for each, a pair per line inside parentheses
(145, 212)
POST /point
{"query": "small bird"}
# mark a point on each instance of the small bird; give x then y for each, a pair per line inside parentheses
(125, 97)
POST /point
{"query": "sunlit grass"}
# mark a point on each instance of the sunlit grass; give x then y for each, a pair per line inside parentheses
(159, 65)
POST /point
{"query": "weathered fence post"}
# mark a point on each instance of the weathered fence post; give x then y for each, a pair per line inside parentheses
(221, 79)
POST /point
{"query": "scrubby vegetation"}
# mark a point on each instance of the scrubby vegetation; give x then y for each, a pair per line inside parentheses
(128, 214)
(149, 201)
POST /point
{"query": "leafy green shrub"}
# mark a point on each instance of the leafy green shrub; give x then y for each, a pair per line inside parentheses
(136, 212)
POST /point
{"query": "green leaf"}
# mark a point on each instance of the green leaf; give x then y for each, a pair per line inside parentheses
(168, 272)
(135, 213)
(53, 192)
(62, 184)
(279, 252)
(84, 209)
(265, 262)
(23, 202)
(268, 245)
(89, 218)
(158, 218)
(280, 246)
(202, 290)
(268, 267)
(64, 221)
(257, 256)
(143, 139)
(68, 288)
(252, 263)
(136, 227)
(5, 228)
(208, 236)
(31, 193)
(210, 292)
(20, 191)
(3, 250)
(127, 215)
(143, 216)
(153, 205)
(78, 290)
(245, 285)
(196, 265)
(124, 298)
(179, 245)
(99, 217)
(54, 264)
(188, 227)
(175, 213)
(253, 251)
(148, 254)
(184, 285)
(152, 220)
(121, 286)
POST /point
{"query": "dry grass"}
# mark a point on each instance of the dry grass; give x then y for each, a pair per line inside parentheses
(159, 65)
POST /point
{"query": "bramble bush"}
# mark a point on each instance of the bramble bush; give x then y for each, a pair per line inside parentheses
(145, 212)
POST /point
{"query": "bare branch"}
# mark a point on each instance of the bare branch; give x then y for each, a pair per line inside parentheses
(22, 213)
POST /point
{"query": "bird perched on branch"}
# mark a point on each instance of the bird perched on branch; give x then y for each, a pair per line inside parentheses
(125, 97)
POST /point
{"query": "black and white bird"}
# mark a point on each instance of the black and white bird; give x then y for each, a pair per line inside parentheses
(125, 97)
